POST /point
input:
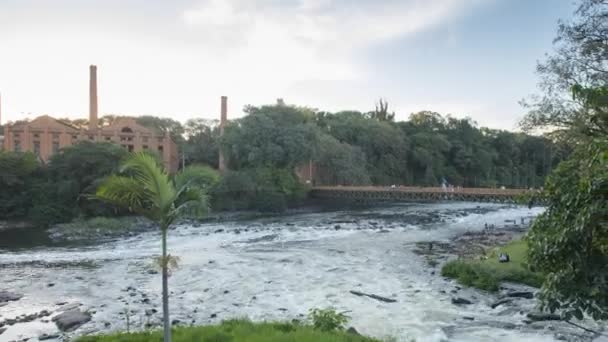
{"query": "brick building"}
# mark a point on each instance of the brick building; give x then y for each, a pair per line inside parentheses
(45, 135)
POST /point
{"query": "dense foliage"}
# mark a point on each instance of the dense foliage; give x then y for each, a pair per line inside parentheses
(59, 191)
(569, 242)
(268, 147)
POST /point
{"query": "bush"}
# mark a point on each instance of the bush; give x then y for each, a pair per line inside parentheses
(471, 274)
(263, 189)
(327, 319)
(270, 201)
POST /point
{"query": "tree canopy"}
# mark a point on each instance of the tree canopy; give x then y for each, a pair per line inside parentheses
(569, 242)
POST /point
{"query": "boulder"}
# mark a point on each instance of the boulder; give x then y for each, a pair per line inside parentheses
(501, 302)
(45, 337)
(539, 316)
(71, 319)
(461, 301)
(6, 296)
(520, 294)
(373, 296)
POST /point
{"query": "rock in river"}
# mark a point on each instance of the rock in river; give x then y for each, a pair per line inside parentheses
(71, 319)
(539, 316)
(520, 294)
(501, 302)
(459, 301)
(6, 296)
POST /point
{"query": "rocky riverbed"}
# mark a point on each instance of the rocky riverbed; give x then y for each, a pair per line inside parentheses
(367, 262)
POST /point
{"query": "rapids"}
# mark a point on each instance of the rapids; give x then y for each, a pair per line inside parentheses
(273, 269)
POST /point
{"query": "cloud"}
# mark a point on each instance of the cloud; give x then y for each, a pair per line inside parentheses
(312, 39)
(171, 60)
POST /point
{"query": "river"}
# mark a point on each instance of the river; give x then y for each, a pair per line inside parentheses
(273, 269)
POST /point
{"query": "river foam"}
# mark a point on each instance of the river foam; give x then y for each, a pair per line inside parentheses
(275, 269)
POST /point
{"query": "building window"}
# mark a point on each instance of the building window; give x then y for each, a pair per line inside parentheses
(37, 148)
(145, 147)
(144, 139)
(55, 136)
(17, 145)
(160, 140)
(126, 130)
(123, 139)
(74, 137)
(160, 148)
(91, 137)
(130, 148)
(16, 135)
(108, 138)
(36, 135)
(55, 147)
(129, 139)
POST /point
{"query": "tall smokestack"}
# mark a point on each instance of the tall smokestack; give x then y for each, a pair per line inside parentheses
(223, 122)
(93, 97)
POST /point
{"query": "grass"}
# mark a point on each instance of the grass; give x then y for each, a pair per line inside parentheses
(487, 274)
(237, 331)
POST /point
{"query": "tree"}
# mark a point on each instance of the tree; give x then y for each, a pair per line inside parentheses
(277, 136)
(75, 173)
(381, 113)
(163, 125)
(17, 171)
(383, 144)
(340, 163)
(581, 51)
(202, 142)
(144, 187)
(569, 241)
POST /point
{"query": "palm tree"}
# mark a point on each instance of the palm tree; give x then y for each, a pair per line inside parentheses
(145, 188)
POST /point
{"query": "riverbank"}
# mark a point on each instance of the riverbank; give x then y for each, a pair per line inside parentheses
(240, 331)
(471, 261)
(486, 272)
(98, 229)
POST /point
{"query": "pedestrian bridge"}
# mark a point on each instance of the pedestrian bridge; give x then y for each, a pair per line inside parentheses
(412, 193)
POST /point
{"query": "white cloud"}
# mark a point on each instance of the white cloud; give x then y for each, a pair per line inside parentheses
(178, 62)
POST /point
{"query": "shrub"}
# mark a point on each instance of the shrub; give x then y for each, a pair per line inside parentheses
(327, 319)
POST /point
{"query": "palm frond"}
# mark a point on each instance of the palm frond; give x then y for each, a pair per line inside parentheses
(145, 169)
(191, 201)
(126, 192)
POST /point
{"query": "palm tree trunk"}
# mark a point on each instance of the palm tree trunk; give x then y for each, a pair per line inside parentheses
(166, 321)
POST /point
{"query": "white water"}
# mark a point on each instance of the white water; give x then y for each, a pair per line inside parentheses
(276, 270)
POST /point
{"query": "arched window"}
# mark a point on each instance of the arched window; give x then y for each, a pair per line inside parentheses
(126, 130)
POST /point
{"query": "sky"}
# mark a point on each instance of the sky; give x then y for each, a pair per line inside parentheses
(472, 58)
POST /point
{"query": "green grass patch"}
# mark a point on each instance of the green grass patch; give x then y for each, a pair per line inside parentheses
(487, 274)
(237, 331)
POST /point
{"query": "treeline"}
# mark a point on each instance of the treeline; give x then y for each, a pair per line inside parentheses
(265, 148)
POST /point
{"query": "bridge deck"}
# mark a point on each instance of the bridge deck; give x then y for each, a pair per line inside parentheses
(417, 193)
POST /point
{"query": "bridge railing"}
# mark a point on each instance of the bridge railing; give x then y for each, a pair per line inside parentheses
(416, 189)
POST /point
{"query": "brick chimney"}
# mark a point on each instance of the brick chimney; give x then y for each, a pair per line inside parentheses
(223, 122)
(93, 98)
